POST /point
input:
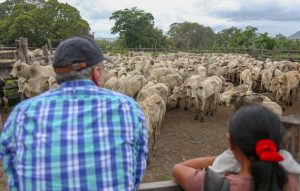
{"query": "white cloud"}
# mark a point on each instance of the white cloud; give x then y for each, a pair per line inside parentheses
(272, 16)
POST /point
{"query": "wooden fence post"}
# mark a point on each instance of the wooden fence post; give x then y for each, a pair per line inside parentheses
(24, 46)
(45, 53)
(22, 49)
(1, 125)
(50, 46)
(273, 53)
(292, 137)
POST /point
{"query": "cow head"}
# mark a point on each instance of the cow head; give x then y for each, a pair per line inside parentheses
(20, 69)
(152, 62)
(172, 101)
(274, 84)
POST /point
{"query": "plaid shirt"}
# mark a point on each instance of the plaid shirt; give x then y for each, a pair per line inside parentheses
(77, 137)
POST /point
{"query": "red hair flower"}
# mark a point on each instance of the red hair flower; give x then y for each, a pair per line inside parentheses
(266, 150)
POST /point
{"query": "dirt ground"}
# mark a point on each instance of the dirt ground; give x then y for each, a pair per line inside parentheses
(183, 138)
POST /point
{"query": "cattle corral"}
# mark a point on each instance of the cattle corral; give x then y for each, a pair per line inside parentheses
(179, 136)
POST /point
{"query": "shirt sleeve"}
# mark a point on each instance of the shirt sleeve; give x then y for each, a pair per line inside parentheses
(196, 180)
(141, 149)
(7, 150)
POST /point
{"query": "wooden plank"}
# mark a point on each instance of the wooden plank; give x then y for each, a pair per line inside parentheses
(7, 55)
(7, 65)
(10, 78)
(11, 86)
(50, 46)
(292, 137)
(45, 53)
(13, 96)
(1, 124)
(7, 48)
(50, 57)
(5, 73)
(169, 185)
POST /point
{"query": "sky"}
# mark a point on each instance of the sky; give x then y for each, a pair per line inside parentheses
(271, 16)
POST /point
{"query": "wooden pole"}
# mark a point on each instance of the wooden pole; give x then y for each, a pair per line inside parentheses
(1, 125)
(50, 46)
(45, 53)
(24, 49)
(20, 43)
(292, 137)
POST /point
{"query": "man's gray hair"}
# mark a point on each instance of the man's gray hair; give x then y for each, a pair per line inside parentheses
(77, 75)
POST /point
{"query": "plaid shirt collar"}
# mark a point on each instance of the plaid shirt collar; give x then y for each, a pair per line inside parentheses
(77, 83)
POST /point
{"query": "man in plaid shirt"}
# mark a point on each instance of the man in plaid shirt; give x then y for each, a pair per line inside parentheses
(79, 136)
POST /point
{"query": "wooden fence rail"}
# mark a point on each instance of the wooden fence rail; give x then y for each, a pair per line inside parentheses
(169, 185)
(260, 54)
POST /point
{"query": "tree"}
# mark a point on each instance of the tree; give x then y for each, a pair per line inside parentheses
(38, 20)
(191, 35)
(63, 19)
(234, 37)
(136, 28)
(247, 37)
(263, 41)
(229, 38)
(280, 36)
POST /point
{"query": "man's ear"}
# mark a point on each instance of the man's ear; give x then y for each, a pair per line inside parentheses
(97, 76)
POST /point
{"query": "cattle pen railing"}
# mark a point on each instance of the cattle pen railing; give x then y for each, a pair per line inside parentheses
(291, 143)
(260, 54)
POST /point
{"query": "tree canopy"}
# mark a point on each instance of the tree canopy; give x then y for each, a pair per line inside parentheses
(38, 20)
(191, 35)
(136, 28)
(248, 37)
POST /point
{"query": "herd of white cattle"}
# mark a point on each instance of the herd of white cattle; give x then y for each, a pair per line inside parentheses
(203, 81)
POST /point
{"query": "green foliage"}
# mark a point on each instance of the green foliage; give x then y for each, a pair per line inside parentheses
(263, 41)
(136, 28)
(104, 44)
(38, 20)
(236, 38)
(108, 45)
(191, 35)
(249, 38)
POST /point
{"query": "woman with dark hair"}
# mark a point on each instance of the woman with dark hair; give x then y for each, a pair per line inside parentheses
(255, 136)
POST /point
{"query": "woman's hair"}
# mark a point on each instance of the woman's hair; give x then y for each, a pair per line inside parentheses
(248, 126)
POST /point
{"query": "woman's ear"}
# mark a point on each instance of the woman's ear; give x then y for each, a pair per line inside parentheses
(97, 76)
